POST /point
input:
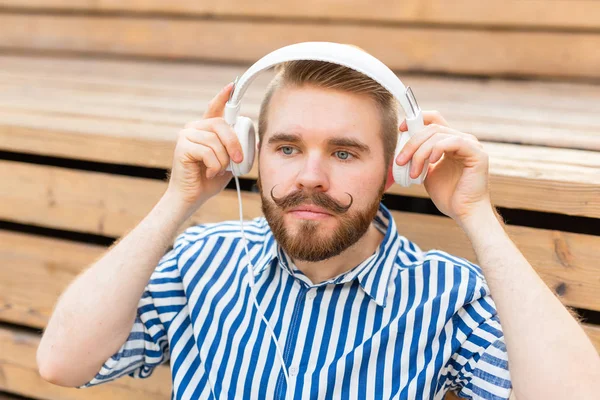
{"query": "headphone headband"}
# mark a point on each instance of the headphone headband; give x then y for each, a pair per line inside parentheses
(335, 53)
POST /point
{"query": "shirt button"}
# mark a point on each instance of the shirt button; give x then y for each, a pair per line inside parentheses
(311, 295)
(293, 371)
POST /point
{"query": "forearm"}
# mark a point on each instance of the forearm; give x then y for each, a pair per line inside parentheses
(94, 316)
(550, 355)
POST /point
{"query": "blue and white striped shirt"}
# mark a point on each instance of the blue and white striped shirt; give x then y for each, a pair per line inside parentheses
(403, 324)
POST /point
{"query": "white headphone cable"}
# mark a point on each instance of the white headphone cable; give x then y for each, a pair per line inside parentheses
(252, 290)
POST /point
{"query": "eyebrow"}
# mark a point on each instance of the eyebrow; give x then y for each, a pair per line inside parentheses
(285, 137)
(339, 141)
(351, 143)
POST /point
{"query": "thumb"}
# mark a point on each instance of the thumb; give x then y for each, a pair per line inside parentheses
(217, 104)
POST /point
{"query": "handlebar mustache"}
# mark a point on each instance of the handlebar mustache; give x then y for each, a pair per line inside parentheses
(320, 199)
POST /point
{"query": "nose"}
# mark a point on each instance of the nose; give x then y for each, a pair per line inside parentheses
(313, 175)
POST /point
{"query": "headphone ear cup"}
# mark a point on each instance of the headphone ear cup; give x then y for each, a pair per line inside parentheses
(402, 172)
(244, 130)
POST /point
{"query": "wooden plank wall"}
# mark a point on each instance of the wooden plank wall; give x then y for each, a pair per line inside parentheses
(135, 121)
(518, 38)
(86, 137)
(574, 14)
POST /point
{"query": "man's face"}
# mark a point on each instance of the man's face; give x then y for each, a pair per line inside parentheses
(321, 170)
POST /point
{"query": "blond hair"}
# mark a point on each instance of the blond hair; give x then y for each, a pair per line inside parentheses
(334, 76)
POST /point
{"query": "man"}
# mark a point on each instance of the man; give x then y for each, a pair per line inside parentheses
(359, 311)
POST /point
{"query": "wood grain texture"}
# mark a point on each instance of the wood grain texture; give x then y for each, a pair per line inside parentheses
(19, 375)
(415, 48)
(575, 14)
(593, 332)
(130, 112)
(36, 270)
(535, 185)
(130, 117)
(562, 186)
(90, 202)
(167, 94)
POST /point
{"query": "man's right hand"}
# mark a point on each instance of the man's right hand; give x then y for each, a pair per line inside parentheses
(203, 151)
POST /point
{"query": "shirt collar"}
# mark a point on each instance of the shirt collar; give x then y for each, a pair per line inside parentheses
(373, 274)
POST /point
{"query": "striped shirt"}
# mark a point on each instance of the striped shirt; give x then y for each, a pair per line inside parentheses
(402, 324)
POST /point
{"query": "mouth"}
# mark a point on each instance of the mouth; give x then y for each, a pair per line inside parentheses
(309, 212)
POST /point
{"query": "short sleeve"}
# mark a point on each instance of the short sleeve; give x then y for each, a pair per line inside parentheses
(147, 345)
(478, 369)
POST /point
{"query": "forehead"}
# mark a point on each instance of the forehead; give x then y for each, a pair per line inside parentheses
(322, 113)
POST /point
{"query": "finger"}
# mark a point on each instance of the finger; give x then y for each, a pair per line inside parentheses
(224, 133)
(228, 138)
(423, 153)
(456, 145)
(429, 117)
(209, 139)
(217, 105)
(403, 126)
(434, 117)
(418, 139)
(199, 153)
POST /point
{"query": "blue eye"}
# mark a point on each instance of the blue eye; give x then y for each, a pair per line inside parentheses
(343, 155)
(287, 150)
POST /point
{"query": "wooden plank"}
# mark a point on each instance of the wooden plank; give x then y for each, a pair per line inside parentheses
(593, 332)
(91, 202)
(503, 117)
(543, 185)
(169, 118)
(115, 142)
(535, 184)
(34, 271)
(181, 79)
(442, 50)
(497, 110)
(19, 375)
(566, 261)
(577, 14)
(514, 124)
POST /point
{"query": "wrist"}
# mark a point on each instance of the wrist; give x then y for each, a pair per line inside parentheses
(482, 218)
(173, 208)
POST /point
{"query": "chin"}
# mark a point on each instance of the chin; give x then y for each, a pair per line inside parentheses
(297, 227)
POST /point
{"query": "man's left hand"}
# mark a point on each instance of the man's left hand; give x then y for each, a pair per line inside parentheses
(457, 180)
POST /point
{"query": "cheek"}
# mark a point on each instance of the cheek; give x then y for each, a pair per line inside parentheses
(361, 181)
(274, 173)
(362, 186)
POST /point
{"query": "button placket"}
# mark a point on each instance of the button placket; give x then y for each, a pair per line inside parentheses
(293, 371)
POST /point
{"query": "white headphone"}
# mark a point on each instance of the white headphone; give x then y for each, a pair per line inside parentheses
(335, 53)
